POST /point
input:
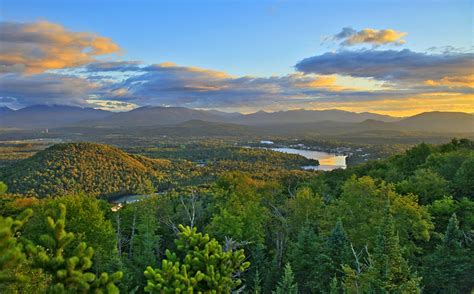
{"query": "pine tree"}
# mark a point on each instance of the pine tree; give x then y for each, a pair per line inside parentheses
(145, 246)
(453, 235)
(338, 250)
(199, 265)
(287, 284)
(334, 287)
(70, 271)
(257, 282)
(449, 269)
(256, 273)
(389, 272)
(11, 250)
(309, 260)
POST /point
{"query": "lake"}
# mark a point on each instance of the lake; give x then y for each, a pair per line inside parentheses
(130, 198)
(327, 161)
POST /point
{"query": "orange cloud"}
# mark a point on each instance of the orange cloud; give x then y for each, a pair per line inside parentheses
(351, 37)
(453, 82)
(333, 83)
(39, 46)
(318, 82)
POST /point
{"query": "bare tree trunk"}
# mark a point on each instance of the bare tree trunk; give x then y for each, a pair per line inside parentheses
(280, 247)
(191, 209)
(119, 236)
(280, 238)
(358, 265)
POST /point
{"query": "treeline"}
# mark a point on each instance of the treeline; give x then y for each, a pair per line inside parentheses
(401, 225)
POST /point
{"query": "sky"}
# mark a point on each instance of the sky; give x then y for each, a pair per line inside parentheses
(390, 57)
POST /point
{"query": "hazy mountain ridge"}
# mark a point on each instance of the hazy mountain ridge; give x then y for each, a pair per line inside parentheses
(310, 116)
(181, 118)
(440, 121)
(46, 116)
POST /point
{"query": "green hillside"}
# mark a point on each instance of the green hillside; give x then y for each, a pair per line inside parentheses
(73, 168)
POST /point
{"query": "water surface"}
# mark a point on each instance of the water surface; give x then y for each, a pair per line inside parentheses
(327, 161)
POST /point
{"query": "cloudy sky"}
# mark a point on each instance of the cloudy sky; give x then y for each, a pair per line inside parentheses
(392, 57)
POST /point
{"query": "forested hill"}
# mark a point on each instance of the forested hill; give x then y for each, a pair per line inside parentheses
(101, 170)
(90, 168)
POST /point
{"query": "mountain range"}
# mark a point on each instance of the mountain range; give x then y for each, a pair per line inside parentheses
(55, 116)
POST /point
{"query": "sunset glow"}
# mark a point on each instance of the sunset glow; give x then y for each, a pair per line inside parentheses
(382, 67)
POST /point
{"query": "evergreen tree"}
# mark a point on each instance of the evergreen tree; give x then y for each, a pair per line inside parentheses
(257, 282)
(464, 180)
(259, 265)
(287, 284)
(309, 260)
(450, 268)
(389, 271)
(334, 287)
(145, 246)
(453, 235)
(11, 250)
(69, 271)
(338, 250)
(199, 265)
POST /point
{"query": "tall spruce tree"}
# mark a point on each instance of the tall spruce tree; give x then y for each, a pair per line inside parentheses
(450, 268)
(309, 260)
(287, 284)
(145, 246)
(389, 271)
(338, 250)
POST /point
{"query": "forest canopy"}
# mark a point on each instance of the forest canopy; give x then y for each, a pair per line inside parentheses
(399, 225)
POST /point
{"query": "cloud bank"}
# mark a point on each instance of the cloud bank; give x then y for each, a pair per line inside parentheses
(43, 63)
(389, 65)
(24, 90)
(38, 46)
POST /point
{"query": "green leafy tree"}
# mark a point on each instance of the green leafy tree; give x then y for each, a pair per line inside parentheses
(443, 209)
(305, 207)
(414, 158)
(240, 214)
(427, 184)
(199, 265)
(361, 205)
(446, 164)
(464, 180)
(3, 188)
